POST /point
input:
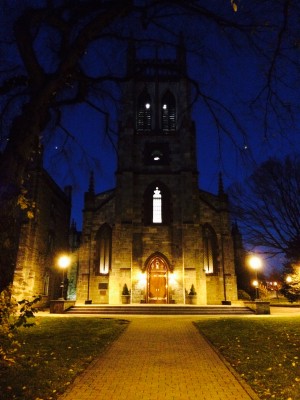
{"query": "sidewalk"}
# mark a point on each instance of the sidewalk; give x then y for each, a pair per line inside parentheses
(159, 358)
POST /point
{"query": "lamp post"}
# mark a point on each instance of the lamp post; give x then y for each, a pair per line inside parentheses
(255, 263)
(63, 262)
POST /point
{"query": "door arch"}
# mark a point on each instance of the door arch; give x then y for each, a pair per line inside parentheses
(157, 281)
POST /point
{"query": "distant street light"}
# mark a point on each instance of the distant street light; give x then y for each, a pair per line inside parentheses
(288, 279)
(255, 263)
(63, 262)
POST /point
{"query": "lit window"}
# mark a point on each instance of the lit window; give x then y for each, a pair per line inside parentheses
(168, 114)
(104, 249)
(208, 256)
(143, 117)
(157, 214)
(157, 204)
(156, 155)
(210, 250)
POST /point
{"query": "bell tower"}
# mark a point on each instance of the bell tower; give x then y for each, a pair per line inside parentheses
(157, 137)
(157, 178)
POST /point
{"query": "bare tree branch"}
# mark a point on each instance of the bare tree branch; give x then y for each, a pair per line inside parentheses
(267, 205)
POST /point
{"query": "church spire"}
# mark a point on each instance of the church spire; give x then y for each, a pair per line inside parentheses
(92, 184)
(221, 186)
(73, 225)
(235, 229)
(89, 196)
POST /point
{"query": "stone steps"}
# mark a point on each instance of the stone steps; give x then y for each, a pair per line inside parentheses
(159, 310)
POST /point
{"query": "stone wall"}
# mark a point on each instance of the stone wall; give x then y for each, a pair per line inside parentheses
(42, 239)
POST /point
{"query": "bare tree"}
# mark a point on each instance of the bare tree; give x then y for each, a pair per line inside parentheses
(62, 53)
(267, 206)
(54, 46)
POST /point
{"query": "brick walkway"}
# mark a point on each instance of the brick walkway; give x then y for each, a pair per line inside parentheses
(159, 358)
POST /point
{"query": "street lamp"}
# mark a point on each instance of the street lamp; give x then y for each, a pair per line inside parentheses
(255, 284)
(255, 263)
(63, 262)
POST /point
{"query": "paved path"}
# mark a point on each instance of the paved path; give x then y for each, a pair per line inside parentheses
(159, 358)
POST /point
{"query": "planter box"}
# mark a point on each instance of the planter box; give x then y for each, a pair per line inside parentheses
(226, 302)
(191, 299)
(60, 306)
(126, 299)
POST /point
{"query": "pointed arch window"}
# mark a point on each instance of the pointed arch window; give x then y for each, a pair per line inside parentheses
(210, 247)
(157, 207)
(168, 113)
(144, 112)
(103, 261)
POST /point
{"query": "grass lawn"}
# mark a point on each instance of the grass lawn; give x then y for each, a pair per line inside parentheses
(265, 351)
(53, 353)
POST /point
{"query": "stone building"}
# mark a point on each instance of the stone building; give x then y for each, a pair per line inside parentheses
(156, 232)
(44, 235)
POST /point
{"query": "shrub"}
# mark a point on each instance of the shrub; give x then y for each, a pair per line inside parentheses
(242, 295)
(125, 291)
(192, 291)
(13, 315)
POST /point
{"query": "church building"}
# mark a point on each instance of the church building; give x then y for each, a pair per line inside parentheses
(44, 234)
(156, 231)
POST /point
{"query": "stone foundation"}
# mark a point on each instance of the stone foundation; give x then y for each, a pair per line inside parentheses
(260, 307)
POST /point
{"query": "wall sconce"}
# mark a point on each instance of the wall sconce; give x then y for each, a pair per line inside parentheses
(142, 280)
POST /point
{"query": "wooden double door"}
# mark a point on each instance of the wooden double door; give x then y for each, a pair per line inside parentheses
(158, 281)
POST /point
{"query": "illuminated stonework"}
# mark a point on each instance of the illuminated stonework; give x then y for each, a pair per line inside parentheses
(157, 211)
(165, 233)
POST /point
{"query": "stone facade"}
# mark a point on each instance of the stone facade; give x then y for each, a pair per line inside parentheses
(156, 231)
(43, 237)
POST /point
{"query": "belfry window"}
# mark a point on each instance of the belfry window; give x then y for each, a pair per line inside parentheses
(157, 209)
(168, 113)
(144, 112)
(103, 262)
(210, 250)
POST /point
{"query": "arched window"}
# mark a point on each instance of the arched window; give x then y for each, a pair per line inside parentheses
(157, 207)
(210, 246)
(103, 259)
(144, 112)
(168, 113)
